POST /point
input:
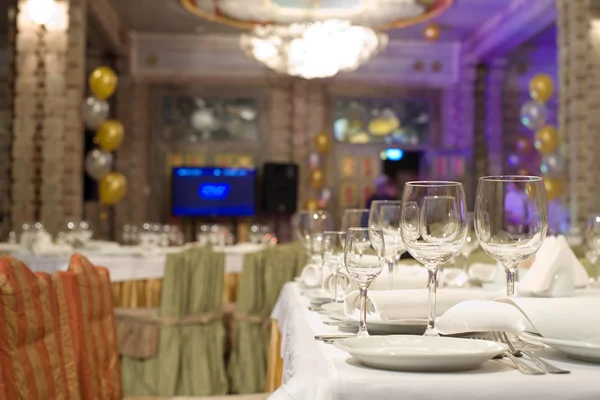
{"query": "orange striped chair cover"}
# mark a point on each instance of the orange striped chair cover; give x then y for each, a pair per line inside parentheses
(31, 367)
(95, 339)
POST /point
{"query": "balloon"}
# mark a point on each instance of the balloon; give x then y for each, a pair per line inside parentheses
(534, 115)
(98, 163)
(314, 160)
(554, 188)
(541, 87)
(95, 112)
(312, 205)
(322, 142)
(546, 140)
(552, 165)
(112, 188)
(316, 178)
(110, 135)
(432, 32)
(103, 82)
(514, 160)
(523, 145)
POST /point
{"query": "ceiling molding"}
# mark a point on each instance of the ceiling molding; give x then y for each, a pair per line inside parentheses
(108, 26)
(518, 23)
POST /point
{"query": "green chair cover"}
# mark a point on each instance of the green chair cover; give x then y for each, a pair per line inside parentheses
(190, 357)
(264, 274)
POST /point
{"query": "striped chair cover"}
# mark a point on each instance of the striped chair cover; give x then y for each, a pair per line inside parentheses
(31, 367)
(93, 329)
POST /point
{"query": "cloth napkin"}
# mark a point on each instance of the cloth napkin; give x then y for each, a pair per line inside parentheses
(413, 304)
(405, 277)
(311, 275)
(572, 318)
(555, 272)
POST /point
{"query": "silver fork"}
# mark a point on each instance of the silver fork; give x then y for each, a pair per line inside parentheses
(522, 366)
(543, 364)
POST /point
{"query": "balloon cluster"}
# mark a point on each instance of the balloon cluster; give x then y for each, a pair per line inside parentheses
(534, 115)
(109, 136)
(317, 176)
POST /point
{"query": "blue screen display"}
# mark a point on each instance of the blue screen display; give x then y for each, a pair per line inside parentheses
(212, 191)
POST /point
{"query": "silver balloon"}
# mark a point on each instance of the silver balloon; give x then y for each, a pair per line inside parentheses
(98, 163)
(552, 165)
(534, 115)
(95, 112)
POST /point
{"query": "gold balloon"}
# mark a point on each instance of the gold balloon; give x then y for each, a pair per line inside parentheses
(103, 82)
(110, 135)
(113, 188)
(322, 142)
(546, 140)
(554, 188)
(541, 87)
(316, 178)
(432, 32)
(312, 205)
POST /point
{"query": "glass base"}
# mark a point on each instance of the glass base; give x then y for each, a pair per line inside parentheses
(362, 334)
(431, 333)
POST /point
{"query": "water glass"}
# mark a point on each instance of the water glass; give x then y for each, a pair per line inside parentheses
(355, 218)
(386, 215)
(333, 257)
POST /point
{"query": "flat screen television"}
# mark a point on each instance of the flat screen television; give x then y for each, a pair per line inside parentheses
(213, 191)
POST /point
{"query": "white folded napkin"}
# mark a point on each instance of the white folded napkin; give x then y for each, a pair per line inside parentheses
(572, 318)
(555, 272)
(487, 273)
(405, 277)
(311, 275)
(413, 304)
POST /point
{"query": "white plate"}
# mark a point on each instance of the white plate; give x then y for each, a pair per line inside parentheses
(317, 295)
(577, 350)
(421, 353)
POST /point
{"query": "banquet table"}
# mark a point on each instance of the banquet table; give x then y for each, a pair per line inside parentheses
(314, 370)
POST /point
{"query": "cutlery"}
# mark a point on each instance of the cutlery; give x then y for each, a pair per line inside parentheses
(332, 338)
(546, 366)
(523, 367)
(340, 323)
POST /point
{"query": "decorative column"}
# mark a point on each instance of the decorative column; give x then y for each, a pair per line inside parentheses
(480, 146)
(465, 116)
(494, 132)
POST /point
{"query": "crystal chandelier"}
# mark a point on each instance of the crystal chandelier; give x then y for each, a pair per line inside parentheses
(316, 49)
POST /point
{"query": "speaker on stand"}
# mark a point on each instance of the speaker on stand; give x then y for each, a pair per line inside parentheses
(280, 191)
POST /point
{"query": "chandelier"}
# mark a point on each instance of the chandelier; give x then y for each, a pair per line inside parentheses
(310, 50)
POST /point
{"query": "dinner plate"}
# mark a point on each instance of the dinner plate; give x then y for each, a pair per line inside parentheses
(421, 353)
(578, 350)
(317, 295)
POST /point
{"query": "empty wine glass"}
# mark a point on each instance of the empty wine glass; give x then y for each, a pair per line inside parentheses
(433, 228)
(333, 258)
(511, 220)
(355, 218)
(386, 215)
(364, 258)
(471, 242)
(592, 245)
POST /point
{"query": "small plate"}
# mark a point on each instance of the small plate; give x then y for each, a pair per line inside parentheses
(421, 353)
(578, 350)
(317, 295)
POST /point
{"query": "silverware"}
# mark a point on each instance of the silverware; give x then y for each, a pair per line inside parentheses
(521, 365)
(543, 364)
(331, 338)
(343, 324)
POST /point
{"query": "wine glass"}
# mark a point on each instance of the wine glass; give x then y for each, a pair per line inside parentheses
(471, 242)
(592, 244)
(386, 215)
(364, 257)
(355, 218)
(333, 256)
(433, 228)
(511, 220)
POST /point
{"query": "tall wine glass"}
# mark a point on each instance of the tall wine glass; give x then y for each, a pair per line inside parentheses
(592, 245)
(301, 226)
(333, 256)
(386, 215)
(364, 258)
(355, 218)
(471, 242)
(511, 220)
(434, 227)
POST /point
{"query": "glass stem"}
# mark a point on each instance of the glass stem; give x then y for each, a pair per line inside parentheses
(432, 272)
(465, 257)
(335, 285)
(362, 326)
(511, 277)
(391, 272)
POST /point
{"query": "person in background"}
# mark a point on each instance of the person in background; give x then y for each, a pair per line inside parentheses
(386, 188)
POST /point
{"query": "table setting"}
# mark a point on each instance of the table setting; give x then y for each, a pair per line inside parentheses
(389, 328)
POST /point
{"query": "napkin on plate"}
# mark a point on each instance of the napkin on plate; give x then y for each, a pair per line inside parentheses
(413, 304)
(405, 277)
(311, 275)
(570, 318)
(555, 272)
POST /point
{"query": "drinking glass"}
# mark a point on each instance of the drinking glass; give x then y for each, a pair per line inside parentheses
(592, 244)
(433, 228)
(355, 218)
(511, 220)
(364, 257)
(386, 215)
(333, 257)
(471, 242)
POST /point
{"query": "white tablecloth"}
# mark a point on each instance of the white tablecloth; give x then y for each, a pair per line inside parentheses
(317, 371)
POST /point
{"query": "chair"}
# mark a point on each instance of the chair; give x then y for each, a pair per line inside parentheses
(262, 278)
(31, 364)
(189, 357)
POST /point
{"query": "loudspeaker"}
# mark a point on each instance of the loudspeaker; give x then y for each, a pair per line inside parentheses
(280, 188)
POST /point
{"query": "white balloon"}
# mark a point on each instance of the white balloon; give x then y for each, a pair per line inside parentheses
(98, 163)
(534, 115)
(95, 112)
